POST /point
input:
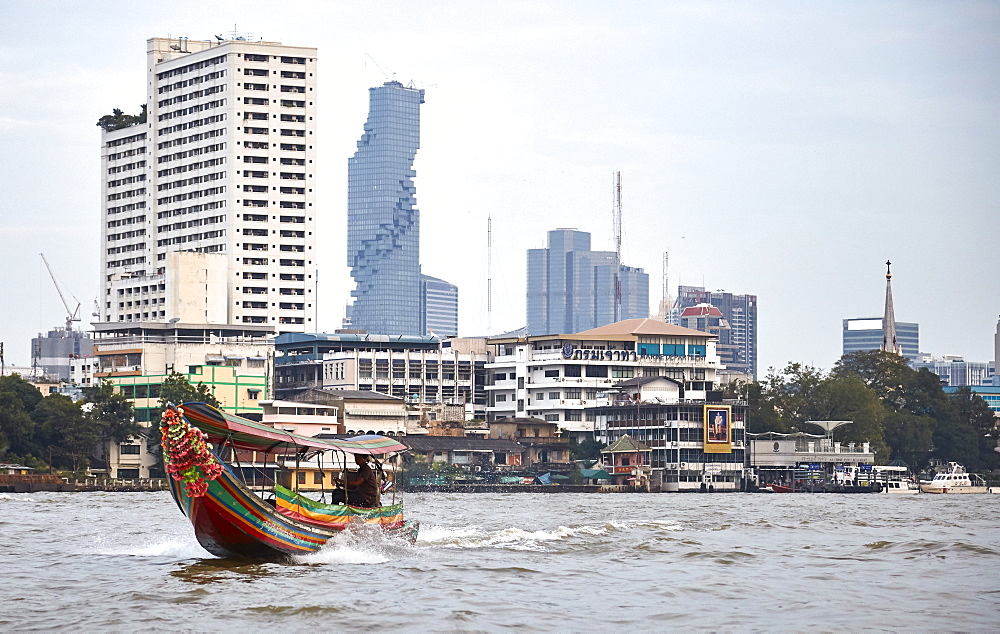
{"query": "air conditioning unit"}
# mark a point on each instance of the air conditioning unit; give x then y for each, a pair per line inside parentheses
(684, 465)
(672, 465)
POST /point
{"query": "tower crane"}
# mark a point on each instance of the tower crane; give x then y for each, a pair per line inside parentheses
(71, 315)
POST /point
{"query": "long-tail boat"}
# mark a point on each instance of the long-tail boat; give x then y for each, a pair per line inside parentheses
(230, 519)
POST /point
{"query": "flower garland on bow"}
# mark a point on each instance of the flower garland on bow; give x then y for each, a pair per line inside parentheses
(186, 451)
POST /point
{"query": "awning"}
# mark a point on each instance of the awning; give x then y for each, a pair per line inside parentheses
(247, 434)
(256, 358)
(595, 474)
(213, 357)
(234, 356)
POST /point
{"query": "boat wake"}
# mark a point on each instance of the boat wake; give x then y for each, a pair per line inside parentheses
(358, 544)
(175, 547)
(15, 497)
(511, 538)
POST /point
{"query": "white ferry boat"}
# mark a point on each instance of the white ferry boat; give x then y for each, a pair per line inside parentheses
(954, 480)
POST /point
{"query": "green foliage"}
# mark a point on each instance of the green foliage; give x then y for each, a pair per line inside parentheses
(118, 119)
(909, 436)
(18, 399)
(177, 389)
(112, 412)
(904, 413)
(67, 434)
(588, 449)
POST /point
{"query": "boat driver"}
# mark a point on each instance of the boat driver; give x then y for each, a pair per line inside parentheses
(362, 485)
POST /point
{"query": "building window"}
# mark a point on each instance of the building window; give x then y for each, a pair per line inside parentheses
(253, 394)
(554, 396)
(301, 477)
(552, 373)
(574, 415)
(622, 372)
(317, 477)
(597, 371)
(127, 450)
(551, 417)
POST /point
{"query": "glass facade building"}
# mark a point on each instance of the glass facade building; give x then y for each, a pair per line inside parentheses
(572, 289)
(865, 333)
(738, 340)
(440, 307)
(383, 224)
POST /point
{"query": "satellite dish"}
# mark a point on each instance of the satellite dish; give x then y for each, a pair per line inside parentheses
(220, 38)
(174, 320)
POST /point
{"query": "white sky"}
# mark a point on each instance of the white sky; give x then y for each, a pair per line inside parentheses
(784, 149)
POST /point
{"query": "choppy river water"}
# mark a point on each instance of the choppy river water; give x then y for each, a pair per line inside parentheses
(536, 562)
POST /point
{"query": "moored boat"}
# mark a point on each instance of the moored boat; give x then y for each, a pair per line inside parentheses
(954, 479)
(231, 520)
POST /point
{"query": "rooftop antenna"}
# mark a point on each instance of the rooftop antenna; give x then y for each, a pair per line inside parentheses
(617, 223)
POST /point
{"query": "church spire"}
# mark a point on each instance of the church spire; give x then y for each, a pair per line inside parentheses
(889, 340)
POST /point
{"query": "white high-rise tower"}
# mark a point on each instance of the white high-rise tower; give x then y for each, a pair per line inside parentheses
(208, 196)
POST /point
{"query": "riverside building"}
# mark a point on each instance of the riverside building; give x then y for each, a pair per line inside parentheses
(564, 378)
(222, 164)
(420, 369)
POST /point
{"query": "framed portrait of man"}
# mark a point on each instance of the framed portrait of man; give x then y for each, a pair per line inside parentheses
(718, 429)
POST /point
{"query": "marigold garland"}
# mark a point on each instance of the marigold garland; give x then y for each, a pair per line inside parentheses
(186, 454)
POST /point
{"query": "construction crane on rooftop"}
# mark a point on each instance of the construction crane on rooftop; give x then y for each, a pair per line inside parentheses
(71, 315)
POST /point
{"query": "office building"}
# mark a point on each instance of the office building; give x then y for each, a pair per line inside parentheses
(439, 301)
(220, 163)
(52, 354)
(383, 223)
(571, 288)
(955, 371)
(866, 333)
(736, 326)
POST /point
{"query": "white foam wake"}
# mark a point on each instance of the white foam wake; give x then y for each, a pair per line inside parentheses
(511, 537)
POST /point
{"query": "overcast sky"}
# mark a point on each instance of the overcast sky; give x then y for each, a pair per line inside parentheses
(783, 149)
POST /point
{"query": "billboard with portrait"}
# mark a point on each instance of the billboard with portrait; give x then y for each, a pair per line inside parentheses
(718, 429)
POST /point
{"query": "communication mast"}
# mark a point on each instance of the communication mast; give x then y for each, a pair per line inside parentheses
(489, 274)
(617, 223)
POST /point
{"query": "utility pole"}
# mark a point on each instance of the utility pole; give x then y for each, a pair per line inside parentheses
(489, 275)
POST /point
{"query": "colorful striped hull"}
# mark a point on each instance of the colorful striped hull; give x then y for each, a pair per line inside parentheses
(231, 521)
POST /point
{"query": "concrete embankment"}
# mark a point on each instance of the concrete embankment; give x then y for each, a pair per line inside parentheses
(509, 488)
(54, 483)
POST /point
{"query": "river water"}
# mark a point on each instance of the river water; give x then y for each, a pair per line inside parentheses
(536, 562)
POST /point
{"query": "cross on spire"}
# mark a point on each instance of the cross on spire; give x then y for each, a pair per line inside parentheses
(889, 341)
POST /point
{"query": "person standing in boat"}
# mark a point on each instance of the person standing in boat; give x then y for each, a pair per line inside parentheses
(362, 485)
